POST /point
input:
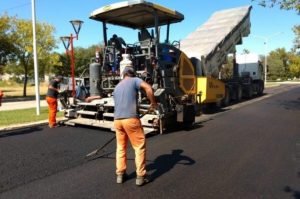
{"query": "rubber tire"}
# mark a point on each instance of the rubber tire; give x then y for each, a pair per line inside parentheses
(239, 93)
(226, 100)
(250, 92)
(260, 88)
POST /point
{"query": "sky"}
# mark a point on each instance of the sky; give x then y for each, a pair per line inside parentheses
(267, 24)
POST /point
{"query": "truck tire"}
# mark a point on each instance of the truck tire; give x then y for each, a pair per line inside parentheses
(239, 93)
(250, 92)
(226, 99)
(260, 88)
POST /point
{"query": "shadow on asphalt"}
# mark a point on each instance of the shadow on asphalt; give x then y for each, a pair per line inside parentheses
(291, 104)
(22, 131)
(105, 152)
(295, 193)
(159, 166)
(164, 163)
(213, 108)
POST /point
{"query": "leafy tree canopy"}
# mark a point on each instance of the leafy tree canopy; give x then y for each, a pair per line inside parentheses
(6, 42)
(283, 4)
(21, 40)
(294, 65)
(83, 57)
(296, 30)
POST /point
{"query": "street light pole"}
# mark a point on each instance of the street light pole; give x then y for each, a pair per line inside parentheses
(68, 41)
(266, 40)
(35, 60)
(266, 62)
(72, 67)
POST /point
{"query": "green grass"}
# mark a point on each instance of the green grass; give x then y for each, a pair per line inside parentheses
(12, 89)
(24, 116)
(272, 84)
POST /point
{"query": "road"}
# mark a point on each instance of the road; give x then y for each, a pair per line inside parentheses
(249, 151)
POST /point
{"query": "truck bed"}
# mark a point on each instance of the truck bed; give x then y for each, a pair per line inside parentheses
(214, 40)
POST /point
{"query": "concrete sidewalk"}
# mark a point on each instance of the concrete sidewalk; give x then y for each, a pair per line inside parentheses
(18, 105)
(6, 106)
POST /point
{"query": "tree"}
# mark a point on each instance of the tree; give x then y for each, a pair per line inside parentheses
(294, 65)
(284, 57)
(22, 62)
(6, 46)
(246, 51)
(278, 66)
(283, 4)
(296, 30)
(83, 58)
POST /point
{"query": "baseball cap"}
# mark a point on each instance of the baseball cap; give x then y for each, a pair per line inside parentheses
(59, 77)
(128, 70)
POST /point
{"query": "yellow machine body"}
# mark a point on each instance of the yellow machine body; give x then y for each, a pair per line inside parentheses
(187, 81)
(212, 90)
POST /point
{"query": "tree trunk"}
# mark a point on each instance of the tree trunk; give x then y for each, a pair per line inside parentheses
(25, 80)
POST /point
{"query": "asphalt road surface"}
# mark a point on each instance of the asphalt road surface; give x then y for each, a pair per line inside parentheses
(249, 151)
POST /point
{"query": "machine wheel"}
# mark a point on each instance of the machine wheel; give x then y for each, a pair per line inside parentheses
(188, 125)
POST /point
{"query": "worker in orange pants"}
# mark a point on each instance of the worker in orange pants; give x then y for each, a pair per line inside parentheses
(1, 95)
(128, 124)
(51, 98)
(130, 128)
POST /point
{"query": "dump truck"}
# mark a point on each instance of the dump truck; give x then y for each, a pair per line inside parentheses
(183, 74)
(209, 47)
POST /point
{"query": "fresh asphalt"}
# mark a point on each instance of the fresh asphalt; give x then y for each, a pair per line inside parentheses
(249, 151)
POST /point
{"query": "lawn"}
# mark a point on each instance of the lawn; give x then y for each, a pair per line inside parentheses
(272, 84)
(13, 89)
(24, 116)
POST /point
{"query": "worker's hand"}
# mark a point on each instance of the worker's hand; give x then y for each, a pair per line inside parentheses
(88, 99)
(153, 107)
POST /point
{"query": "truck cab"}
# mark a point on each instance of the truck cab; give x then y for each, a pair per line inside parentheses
(250, 64)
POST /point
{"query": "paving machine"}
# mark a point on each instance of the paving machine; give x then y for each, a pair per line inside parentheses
(160, 63)
(183, 74)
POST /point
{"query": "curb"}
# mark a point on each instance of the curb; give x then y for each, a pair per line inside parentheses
(4, 130)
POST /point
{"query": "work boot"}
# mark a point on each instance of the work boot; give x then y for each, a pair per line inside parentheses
(141, 180)
(120, 178)
(54, 126)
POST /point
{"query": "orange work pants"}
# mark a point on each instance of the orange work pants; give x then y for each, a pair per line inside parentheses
(52, 106)
(130, 128)
(1, 95)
